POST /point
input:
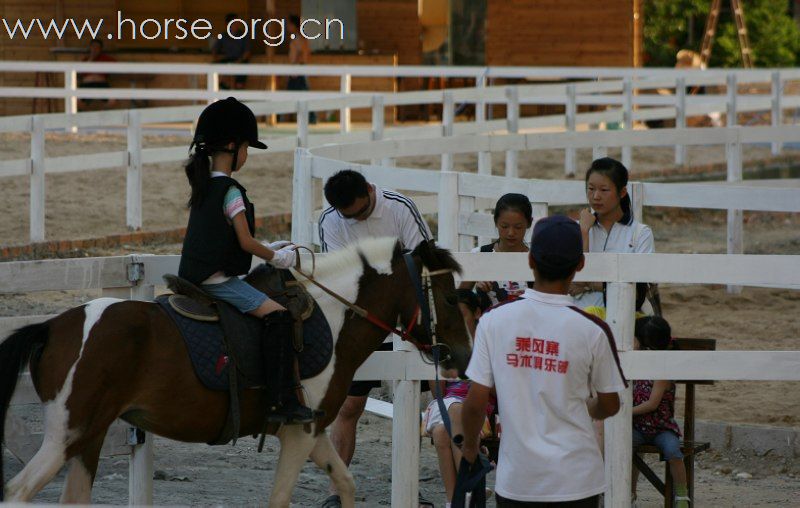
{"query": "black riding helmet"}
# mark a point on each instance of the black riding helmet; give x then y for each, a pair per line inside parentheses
(223, 122)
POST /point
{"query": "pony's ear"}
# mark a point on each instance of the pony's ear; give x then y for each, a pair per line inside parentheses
(426, 251)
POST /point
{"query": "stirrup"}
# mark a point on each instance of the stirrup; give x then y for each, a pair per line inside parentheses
(296, 415)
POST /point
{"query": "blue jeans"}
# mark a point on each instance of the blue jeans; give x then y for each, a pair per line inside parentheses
(238, 293)
(666, 441)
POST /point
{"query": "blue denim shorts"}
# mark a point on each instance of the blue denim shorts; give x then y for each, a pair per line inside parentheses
(666, 441)
(238, 293)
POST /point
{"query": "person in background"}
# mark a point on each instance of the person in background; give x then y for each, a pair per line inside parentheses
(231, 50)
(95, 79)
(453, 395)
(513, 215)
(609, 225)
(361, 210)
(654, 409)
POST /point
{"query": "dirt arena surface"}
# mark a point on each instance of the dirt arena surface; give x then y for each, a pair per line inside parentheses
(91, 204)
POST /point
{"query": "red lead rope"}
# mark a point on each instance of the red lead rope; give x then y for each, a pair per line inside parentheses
(405, 335)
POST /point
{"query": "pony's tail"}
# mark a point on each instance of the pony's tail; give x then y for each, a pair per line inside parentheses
(15, 352)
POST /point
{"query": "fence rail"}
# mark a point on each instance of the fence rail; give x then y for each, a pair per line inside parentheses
(622, 93)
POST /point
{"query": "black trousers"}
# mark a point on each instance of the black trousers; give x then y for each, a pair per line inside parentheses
(589, 502)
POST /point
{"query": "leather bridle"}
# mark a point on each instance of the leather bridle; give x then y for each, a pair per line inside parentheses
(424, 315)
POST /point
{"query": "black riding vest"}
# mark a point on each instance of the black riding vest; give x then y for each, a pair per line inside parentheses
(210, 244)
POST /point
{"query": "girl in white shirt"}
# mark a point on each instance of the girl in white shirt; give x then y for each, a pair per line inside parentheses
(608, 225)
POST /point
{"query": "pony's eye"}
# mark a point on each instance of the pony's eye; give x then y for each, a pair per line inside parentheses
(451, 298)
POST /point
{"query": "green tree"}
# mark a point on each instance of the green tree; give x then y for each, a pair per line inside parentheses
(774, 36)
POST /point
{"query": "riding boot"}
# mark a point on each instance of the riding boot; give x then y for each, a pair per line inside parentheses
(289, 410)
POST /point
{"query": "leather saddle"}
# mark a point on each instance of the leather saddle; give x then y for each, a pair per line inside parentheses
(240, 334)
(192, 302)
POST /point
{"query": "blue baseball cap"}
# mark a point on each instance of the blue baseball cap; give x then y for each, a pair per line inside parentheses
(556, 242)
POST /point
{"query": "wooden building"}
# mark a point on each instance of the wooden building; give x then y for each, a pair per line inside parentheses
(388, 32)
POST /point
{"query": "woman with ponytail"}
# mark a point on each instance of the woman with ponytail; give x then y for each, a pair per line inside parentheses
(219, 244)
(608, 225)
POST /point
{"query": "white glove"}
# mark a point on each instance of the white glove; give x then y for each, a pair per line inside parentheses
(276, 245)
(284, 258)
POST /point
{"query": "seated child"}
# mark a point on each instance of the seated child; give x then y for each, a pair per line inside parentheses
(654, 408)
(453, 395)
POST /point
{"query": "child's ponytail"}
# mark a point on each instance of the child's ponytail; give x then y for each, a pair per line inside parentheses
(198, 171)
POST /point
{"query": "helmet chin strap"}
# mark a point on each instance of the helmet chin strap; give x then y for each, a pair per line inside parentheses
(235, 152)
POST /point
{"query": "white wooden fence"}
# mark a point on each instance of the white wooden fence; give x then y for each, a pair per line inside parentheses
(461, 198)
(620, 95)
(136, 277)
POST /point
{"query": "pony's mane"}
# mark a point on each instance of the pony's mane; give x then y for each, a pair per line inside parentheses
(379, 253)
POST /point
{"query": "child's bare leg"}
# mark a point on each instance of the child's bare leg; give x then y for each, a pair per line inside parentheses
(455, 421)
(678, 471)
(447, 466)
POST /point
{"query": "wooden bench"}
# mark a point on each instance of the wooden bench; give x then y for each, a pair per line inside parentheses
(689, 446)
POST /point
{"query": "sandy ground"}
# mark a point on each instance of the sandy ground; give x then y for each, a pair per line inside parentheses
(192, 474)
(93, 204)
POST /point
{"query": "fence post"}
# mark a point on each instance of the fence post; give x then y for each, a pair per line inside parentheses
(212, 85)
(627, 119)
(540, 211)
(377, 122)
(731, 85)
(140, 462)
(405, 436)
(37, 179)
(140, 472)
(680, 118)
(466, 207)
(302, 199)
(512, 126)
(302, 124)
(448, 116)
(71, 100)
(777, 112)
(344, 113)
(733, 153)
(570, 114)
(618, 446)
(133, 188)
(636, 191)
(448, 210)
(484, 158)
(480, 103)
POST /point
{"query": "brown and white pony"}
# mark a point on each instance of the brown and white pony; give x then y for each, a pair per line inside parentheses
(114, 358)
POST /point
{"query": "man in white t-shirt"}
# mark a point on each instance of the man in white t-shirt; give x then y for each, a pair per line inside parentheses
(361, 210)
(545, 357)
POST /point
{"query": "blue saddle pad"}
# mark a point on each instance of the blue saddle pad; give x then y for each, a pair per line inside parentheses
(207, 351)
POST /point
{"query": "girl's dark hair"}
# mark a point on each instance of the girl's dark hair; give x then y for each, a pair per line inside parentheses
(470, 299)
(515, 203)
(198, 171)
(653, 332)
(617, 173)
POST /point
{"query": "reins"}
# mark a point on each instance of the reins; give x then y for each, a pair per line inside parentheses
(421, 314)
